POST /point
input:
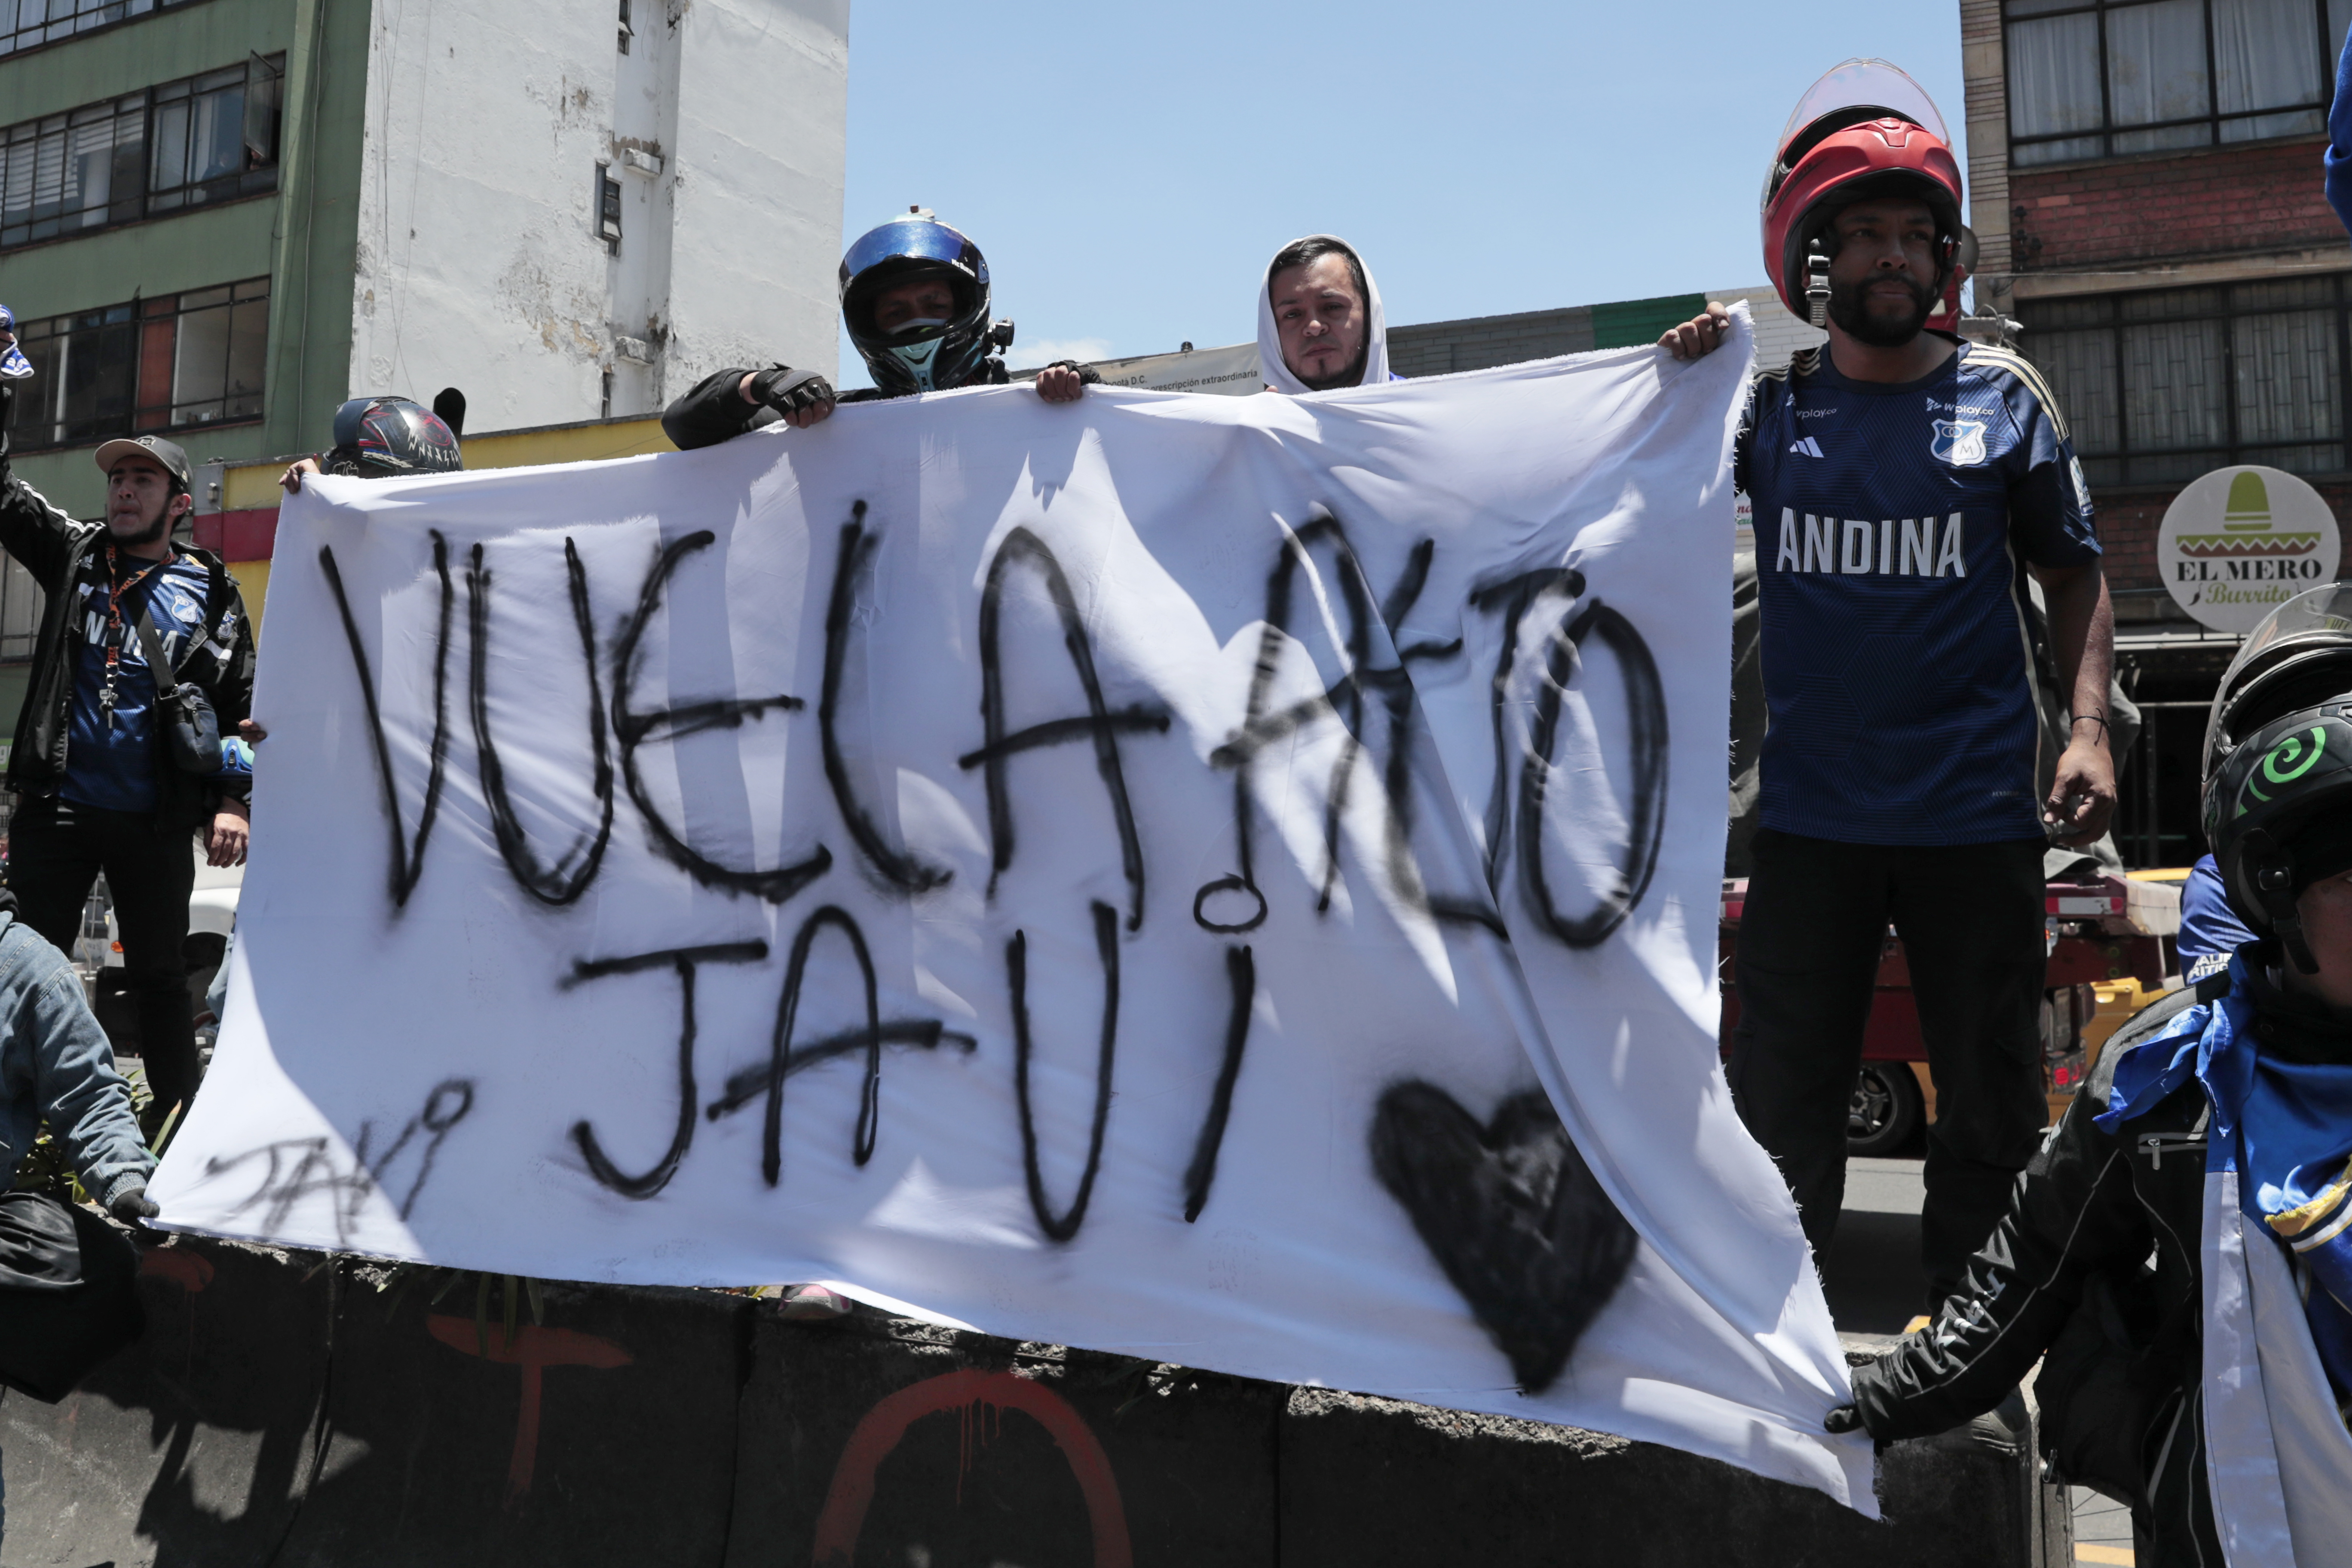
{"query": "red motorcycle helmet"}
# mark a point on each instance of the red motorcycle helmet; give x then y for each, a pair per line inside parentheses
(1866, 130)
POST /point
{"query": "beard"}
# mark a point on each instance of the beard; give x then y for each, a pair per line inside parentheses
(147, 535)
(1349, 374)
(1851, 310)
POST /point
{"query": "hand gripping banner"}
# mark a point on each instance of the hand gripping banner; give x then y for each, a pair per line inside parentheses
(1229, 880)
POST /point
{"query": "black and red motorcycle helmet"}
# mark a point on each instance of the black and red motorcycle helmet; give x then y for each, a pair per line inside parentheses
(388, 437)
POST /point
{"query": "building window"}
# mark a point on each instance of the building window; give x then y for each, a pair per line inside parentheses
(27, 24)
(160, 364)
(215, 136)
(2099, 78)
(204, 139)
(608, 208)
(2159, 386)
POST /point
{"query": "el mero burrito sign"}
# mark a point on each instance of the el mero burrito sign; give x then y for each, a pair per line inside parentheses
(2240, 542)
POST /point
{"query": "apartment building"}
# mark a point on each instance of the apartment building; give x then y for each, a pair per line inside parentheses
(220, 218)
(2147, 186)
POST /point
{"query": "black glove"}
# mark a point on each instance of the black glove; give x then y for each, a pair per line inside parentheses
(130, 1205)
(789, 391)
(1843, 1420)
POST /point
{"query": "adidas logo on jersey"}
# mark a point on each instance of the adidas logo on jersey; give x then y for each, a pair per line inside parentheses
(1895, 547)
(1807, 445)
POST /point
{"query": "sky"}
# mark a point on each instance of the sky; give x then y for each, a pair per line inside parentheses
(1129, 168)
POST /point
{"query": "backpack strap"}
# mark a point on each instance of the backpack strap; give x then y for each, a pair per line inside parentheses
(218, 590)
(150, 645)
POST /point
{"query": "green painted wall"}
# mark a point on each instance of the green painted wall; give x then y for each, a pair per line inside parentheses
(318, 235)
(1630, 322)
(180, 42)
(217, 244)
(304, 236)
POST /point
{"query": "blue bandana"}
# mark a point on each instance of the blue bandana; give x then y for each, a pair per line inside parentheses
(2285, 1127)
(13, 365)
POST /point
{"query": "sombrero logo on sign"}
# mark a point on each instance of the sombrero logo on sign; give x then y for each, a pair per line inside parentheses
(2239, 542)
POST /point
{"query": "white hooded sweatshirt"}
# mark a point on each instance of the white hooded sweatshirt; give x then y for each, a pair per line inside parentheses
(1271, 365)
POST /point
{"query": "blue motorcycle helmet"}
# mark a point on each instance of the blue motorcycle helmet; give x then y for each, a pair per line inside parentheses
(930, 355)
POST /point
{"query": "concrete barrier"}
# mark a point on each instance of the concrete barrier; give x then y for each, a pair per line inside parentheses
(283, 1410)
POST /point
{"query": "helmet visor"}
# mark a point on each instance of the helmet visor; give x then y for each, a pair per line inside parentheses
(1865, 84)
(904, 239)
(2324, 614)
(2317, 618)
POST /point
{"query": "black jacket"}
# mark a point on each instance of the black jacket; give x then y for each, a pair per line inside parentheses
(60, 552)
(2094, 1271)
(713, 410)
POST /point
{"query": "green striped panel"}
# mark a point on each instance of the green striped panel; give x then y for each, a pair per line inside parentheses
(1630, 321)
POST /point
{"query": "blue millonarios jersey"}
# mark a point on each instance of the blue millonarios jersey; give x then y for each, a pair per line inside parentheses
(1892, 526)
(113, 765)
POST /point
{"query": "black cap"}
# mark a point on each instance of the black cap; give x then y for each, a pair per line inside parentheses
(167, 453)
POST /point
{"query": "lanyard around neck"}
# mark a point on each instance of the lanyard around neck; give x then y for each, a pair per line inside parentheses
(115, 589)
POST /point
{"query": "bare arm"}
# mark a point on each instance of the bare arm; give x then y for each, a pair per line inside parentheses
(2083, 642)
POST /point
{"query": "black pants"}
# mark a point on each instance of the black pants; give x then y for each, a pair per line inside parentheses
(56, 850)
(1970, 920)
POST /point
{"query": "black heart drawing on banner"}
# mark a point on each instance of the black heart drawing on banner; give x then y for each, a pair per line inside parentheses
(1511, 1213)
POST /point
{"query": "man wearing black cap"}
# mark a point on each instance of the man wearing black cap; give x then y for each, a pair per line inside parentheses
(99, 785)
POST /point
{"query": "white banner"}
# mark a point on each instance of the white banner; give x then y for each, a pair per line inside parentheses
(1136, 875)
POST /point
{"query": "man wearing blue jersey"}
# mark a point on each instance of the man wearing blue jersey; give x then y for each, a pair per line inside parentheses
(1904, 484)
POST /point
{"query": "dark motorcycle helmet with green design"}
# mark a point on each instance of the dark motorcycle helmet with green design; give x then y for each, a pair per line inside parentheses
(2278, 764)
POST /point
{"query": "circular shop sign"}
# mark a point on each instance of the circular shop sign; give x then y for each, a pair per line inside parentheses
(2239, 542)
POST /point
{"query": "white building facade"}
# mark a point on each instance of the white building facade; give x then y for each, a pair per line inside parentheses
(577, 212)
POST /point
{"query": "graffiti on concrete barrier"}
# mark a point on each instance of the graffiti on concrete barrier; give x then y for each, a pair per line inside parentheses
(183, 1265)
(969, 1394)
(534, 1348)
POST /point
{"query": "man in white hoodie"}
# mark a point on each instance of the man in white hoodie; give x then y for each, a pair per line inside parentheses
(1320, 327)
(1318, 319)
